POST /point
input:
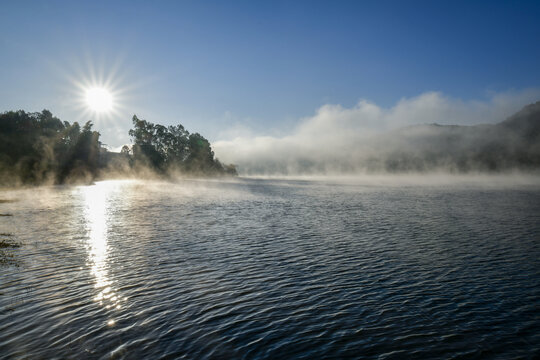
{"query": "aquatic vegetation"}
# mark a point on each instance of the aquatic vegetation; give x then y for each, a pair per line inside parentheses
(6, 245)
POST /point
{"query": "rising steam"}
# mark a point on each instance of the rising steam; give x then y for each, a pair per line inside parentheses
(338, 139)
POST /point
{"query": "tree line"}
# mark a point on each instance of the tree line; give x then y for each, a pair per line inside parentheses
(165, 149)
(37, 147)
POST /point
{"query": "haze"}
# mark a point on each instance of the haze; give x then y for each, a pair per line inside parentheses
(269, 179)
(269, 80)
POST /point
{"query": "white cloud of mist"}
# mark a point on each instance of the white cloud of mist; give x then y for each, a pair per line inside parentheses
(338, 134)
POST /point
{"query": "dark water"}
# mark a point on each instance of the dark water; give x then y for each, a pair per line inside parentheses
(272, 269)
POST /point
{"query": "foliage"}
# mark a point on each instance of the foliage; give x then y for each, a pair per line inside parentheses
(173, 148)
(38, 147)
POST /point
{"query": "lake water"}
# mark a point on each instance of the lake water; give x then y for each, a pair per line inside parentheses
(273, 269)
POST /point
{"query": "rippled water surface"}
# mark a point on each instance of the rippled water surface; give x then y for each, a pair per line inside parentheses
(272, 269)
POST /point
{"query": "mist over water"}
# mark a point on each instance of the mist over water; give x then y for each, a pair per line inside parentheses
(278, 180)
(427, 133)
(374, 267)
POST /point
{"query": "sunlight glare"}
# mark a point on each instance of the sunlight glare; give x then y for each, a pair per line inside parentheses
(96, 199)
(99, 99)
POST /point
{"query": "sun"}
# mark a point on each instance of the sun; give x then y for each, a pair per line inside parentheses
(99, 99)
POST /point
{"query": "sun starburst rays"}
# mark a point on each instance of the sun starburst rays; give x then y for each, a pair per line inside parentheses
(99, 99)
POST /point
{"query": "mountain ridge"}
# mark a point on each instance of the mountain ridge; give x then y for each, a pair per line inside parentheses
(510, 145)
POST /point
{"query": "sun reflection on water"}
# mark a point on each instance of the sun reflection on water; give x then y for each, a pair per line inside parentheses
(97, 210)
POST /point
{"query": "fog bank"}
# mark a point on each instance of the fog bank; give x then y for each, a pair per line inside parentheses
(367, 137)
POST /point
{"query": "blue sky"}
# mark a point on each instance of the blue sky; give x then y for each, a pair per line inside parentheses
(262, 66)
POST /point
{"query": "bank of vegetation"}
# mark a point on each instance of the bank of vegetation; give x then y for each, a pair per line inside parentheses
(38, 148)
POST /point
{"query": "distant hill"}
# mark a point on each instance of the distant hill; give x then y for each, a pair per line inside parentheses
(525, 123)
(513, 144)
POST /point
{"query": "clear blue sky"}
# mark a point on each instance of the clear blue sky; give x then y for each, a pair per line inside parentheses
(264, 65)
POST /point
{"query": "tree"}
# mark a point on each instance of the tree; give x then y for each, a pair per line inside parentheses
(35, 147)
(173, 148)
(125, 150)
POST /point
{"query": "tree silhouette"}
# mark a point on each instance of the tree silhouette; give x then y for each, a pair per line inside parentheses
(170, 148)
(35, 147)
